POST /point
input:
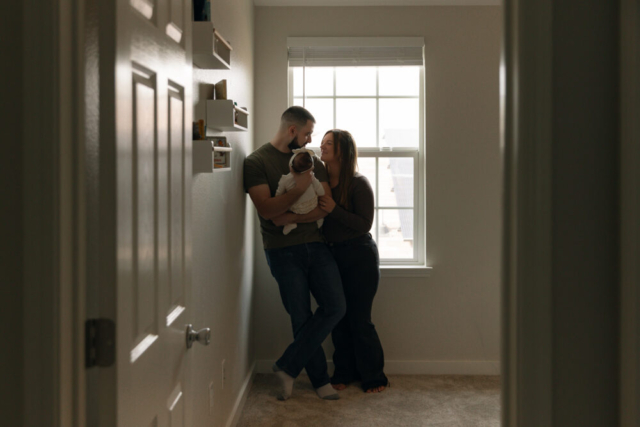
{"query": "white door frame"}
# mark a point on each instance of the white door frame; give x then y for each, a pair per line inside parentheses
(527, 233)
(72, 213)
(630, 212)
(528, 331)
(53, 321)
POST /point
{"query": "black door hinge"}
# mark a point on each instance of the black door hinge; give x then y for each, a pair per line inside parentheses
(100, 342)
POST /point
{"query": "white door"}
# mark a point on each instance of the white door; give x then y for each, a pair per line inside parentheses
(145, 177)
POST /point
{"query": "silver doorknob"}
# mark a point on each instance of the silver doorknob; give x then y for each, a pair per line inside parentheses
(203, 336)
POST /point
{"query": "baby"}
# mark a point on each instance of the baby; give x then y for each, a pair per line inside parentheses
(301, 161)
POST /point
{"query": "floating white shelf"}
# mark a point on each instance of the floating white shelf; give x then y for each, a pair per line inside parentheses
(223, 115)
(211, 154)
(210, 50)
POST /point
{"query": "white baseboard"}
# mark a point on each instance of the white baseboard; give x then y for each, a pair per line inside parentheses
(242, 398)
(418, 367)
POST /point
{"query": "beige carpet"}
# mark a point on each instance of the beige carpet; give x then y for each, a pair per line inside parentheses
(411, 401)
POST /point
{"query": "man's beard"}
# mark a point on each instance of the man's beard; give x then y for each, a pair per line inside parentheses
(293, 145)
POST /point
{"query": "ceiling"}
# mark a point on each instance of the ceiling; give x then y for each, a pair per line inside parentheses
(377, 2)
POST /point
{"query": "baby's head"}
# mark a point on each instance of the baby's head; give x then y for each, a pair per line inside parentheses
(302, 162)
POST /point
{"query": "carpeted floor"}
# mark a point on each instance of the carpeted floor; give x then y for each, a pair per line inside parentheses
(411, 401)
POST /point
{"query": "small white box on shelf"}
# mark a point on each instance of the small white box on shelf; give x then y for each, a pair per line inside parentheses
(210, 50)
(223, 115)
(211, 154)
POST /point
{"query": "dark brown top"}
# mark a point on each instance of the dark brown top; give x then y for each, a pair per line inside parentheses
(343, 224)
(266, 165)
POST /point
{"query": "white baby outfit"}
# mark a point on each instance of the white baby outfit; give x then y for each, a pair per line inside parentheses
(309, 199)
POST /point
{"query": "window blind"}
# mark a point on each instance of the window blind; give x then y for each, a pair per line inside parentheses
(359, 51)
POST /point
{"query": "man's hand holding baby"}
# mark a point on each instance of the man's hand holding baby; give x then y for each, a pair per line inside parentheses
(284, 219)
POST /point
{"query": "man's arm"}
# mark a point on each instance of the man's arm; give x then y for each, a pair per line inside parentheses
(269, 207)
(291, 218)
(314, 215)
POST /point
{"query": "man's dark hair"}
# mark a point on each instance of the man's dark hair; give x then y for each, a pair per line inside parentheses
(296, 116)
(302, 162)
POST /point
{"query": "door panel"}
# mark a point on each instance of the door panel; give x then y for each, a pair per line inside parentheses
(176, 408)
(148, 163)
(176, 147)
(143, 150)
(175, 27)
(145, 7)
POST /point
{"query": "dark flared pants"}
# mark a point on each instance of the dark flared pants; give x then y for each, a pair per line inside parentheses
(358, 351)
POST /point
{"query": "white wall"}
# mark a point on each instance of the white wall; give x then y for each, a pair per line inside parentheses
(223, 234)
(449, 322)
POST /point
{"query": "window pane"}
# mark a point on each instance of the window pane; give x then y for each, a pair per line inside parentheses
(367, 167)
(318, 81)
(297, 82)
(358, 116)
(395, 234)
(358, 81)
(399, 122)
(297, 102)
(396, 182)
(399, 81)
(322, 111)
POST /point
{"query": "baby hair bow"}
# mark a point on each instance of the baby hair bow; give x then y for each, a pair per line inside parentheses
(303, 150)
(297, 151)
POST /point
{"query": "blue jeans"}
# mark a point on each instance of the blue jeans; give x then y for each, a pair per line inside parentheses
(302, 270)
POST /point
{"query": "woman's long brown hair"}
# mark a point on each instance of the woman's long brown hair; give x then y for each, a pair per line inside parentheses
(344, 147)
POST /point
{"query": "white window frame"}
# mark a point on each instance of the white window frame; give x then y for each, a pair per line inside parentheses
(415, 267)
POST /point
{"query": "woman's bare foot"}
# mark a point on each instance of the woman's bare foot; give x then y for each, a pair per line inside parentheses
(339, 387)
(376, 389)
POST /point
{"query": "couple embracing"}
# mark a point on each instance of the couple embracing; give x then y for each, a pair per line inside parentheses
(338, 264)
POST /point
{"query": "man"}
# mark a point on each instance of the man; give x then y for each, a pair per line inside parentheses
(300, 262)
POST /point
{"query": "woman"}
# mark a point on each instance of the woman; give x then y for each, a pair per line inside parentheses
(358, 352)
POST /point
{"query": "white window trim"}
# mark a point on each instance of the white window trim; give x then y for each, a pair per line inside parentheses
(389, 268)
(418, 226)
(405, 271)
(355, 41)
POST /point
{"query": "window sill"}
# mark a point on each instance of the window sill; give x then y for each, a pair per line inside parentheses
(404, 271)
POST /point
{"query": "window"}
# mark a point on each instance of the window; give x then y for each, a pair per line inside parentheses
(377, 94)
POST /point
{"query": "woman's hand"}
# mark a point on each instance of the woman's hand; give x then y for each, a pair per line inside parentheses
(326, 203)
(284, 219)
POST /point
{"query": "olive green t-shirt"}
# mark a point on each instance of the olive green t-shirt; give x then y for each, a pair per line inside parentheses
(266, 165)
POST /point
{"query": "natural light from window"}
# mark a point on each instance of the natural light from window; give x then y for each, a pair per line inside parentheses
(380, 106)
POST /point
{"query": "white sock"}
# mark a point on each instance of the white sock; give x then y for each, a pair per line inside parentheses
(327, 392)
(286, 382)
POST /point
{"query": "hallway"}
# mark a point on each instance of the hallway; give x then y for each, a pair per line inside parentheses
(116, 251)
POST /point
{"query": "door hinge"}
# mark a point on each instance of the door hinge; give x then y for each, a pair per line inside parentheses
(100, 342)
